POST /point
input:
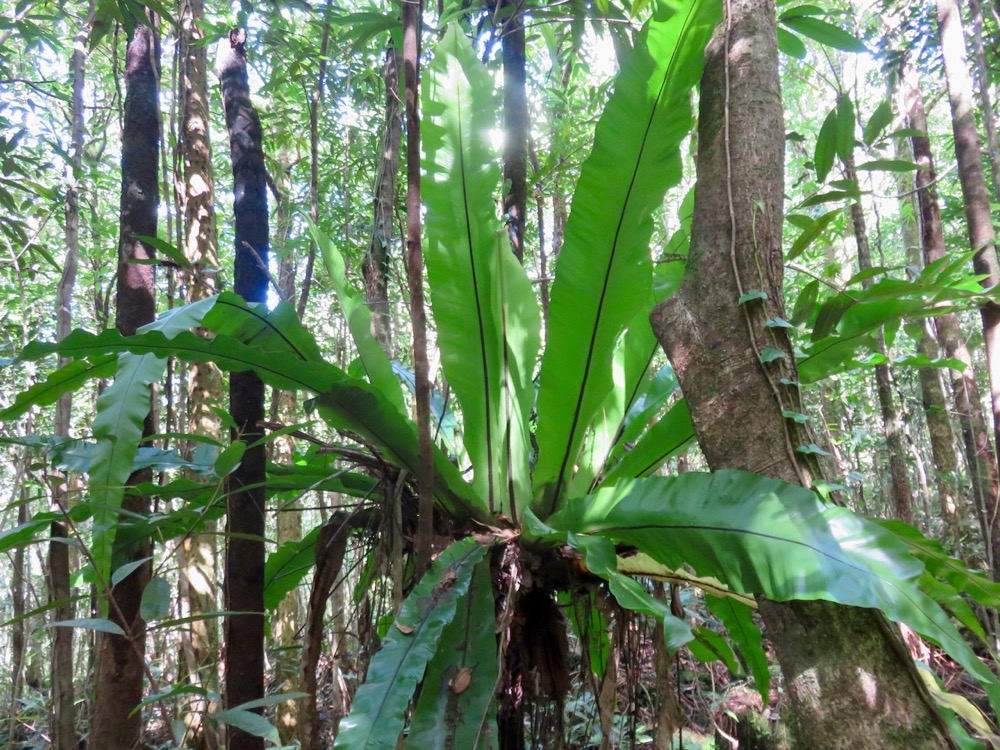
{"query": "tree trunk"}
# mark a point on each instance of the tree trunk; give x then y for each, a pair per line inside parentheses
(968, 402)
(198, 580)
(933, 390)
(376, 262)
(412, 23)
(515, 116)
(899, 482)
(542, 262)
(285, 664)
(317, 97)
(977, 214)
(985, 100)
(18, 631)
(832, 657)
(63, 719)
(331, 545)
(116, 725)
(244, 571)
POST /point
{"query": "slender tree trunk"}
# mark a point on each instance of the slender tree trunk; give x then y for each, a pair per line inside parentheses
(515, 116)
(934, 403)
(833, 658)
(985, 100)
(977, 214)
(542, 260)
(116, 724)
(285, 664)
(376, 261)
(933, 391)
(198, 580)
(669, 715)
(244, 571)
(975, 429)
(968, 403)
(331, 545)
(899, 482)
(559, 210)
(18, 630)
(412, 21)
(317, 97)
(63, 719)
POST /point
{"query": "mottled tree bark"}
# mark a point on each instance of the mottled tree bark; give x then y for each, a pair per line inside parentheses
(121, 659)
(977, 214)
(980, 227)
(198, 580)
(244, 571)
(376, 262)
(18, 629)
(850, 682)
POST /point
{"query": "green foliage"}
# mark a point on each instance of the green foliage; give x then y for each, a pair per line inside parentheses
(247, 717)
(736, 616)
(378, 368)
(68, 378)
(605, 257)
(803, 20)
(376, 718)
(881, 119)
(605, 422)
(768, 537)
(485, 311)
(348, 403)
(287, 566)
(457, 705)
(848, 321)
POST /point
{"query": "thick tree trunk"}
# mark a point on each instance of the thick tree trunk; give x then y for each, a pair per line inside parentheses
(832, 657)
(977, 213)
(244, 571)
(376, 262)
(979, 453)
(899, 481)
(198, 580)
(116, 724)
(515, 117)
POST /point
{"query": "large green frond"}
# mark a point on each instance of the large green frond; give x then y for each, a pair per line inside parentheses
(765, 536)
(457, 706)
(377, 714)
(604, 267)
(484, 310)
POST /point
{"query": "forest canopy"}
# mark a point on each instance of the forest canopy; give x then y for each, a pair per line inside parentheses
(566, 375)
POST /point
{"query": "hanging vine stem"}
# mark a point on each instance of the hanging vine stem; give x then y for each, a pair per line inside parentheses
(803, 477)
